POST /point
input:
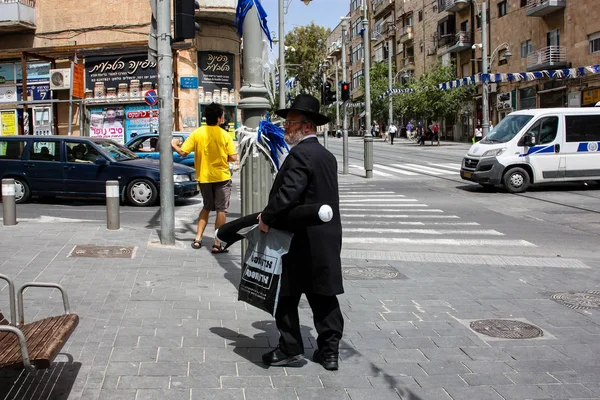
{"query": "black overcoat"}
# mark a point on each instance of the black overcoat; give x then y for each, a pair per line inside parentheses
(308, 176)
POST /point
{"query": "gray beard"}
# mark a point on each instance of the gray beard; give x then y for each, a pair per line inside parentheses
(293, 138)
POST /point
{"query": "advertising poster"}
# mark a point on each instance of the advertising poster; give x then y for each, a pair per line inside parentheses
(137, 120)
(7, 73)
(113, 70)
(107, 123)
(215, 73)
(8, 94)
(35, 92)
(8, 119)
(36, 72)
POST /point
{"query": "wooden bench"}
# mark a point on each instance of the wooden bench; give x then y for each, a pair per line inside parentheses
(35, 344)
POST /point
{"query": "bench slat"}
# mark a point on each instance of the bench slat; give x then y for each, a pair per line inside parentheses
(44, 339)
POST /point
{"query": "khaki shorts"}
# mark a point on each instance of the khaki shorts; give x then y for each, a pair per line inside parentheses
(216, 195)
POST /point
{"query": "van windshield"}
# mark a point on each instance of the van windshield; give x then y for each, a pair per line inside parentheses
(115, 150)
(507, 129)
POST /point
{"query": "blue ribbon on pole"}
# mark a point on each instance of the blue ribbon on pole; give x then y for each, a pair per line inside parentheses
(240, 14)
(275, 135)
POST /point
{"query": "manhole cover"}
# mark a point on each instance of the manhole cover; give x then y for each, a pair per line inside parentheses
(506, 329)
(371, 273)
(103, 251)
(589, 299)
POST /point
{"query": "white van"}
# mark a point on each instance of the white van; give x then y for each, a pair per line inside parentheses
(537, 146)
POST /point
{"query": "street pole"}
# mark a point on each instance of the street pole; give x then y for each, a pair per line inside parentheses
(256, 177)
(337, 98)
(281, 56)
(324, 107)
(368, 140)
(345, 120)
(390, 109)
(165, 121)
(485, 122)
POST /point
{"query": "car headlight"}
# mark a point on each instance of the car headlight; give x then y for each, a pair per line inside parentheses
(494, 153)
(181, 178)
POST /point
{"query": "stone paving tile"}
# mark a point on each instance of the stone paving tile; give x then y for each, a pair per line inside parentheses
(231, 382)
(270, 394)
(168, 394)
(423, 394)
(190, 382)
(445, 381)
(444, 367)
(296, 381)
(345, 381)
(392, 381)
(114, 394)
(320, 394)
(520, 392)
(479, 393)
(143, 382)
(567, 391)
(486, 379)
(531, 378)
(371, 394)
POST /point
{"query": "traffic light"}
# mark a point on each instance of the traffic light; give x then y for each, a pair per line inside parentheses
(345, 91)
(185, 25)
(327, 95)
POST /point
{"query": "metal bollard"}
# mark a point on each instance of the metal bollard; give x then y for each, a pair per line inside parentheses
(369, 156)
(9, 208)
(113, 221)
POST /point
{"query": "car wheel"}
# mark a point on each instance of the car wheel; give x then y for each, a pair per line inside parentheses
(22, 191)
(516, 180)
(141, 193)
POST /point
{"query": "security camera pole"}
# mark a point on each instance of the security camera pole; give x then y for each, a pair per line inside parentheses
(368, 140)
(485, 122)
(345, 120)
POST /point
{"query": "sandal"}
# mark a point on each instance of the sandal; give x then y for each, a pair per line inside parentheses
(218, 249)
(196, 244)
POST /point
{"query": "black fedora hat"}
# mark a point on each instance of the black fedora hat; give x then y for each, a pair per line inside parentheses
(307, 105)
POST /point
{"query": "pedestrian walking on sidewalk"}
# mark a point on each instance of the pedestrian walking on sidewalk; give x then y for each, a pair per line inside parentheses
(213, 150)
(392, 130)
(313, 264)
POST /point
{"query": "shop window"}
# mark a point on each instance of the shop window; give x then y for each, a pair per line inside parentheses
(526, 48)
(502, 7)
(594, 42)
(527, 98)
(11, 150)
(583, 128)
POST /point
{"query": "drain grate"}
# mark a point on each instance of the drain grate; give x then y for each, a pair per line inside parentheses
(578, 300)
(103, 251)
(506, 329)
(372, 273)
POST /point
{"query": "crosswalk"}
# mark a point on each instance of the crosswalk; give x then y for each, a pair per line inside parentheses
(409, 170)
(375, 219)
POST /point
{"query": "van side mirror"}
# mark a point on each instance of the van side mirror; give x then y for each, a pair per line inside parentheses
(101, 161)
(527, 140)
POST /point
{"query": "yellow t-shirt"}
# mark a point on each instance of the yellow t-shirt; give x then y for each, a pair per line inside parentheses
(211, 146)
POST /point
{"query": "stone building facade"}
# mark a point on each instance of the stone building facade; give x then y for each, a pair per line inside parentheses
(110, 45)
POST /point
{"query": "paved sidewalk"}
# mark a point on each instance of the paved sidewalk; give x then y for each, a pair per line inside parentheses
(167, 325)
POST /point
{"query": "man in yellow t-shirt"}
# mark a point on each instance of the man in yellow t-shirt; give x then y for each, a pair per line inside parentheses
(213, 151)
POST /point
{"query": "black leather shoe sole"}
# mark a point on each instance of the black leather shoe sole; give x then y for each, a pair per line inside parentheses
(330, 363)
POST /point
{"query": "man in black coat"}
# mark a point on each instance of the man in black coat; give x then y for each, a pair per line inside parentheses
(312, 265)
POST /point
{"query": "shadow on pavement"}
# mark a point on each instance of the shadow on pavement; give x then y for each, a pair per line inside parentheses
(55, 383)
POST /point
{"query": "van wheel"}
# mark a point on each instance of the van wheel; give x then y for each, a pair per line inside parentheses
(141, 193)
(516, 180)
(22, 191)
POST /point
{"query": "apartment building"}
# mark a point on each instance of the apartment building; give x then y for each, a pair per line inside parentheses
(105, 50)
(523, 36)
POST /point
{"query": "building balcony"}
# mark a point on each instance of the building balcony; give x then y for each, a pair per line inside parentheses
(444, 43)
(541, 8)
(462, 42)
(553, 57)
(335, 49)
(377, 35)
(406, 34)
(216, 10)
(409, 63)
(382, 6)
(17, 15)
(456, 5)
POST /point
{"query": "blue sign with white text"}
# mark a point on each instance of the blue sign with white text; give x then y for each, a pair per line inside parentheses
(188, 82)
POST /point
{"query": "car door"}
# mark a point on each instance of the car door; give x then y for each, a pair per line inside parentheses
(82, 175)
(545, 156)
(43, 166)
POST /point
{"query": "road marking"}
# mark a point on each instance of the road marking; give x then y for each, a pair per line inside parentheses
(370, 216)
(488, 232)
(363, 193)
(439, 242)
(383, 223)
(395, 170)
(422, 170)
(359, 200)
(375, 172)
(395, 207)
(410, 210)
(469, 259)
(447, 165)
(370, 195)
(362, 205)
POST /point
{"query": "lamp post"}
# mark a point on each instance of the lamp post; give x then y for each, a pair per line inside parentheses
(368, 140)
(390, 85)
(345, 120)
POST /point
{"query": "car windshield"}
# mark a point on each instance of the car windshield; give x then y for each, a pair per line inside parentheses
(116, 151)
(507, 129)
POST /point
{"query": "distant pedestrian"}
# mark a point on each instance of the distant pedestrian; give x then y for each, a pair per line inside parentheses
(392, 130)
(213, 150)
(436, 133)
(478, 135)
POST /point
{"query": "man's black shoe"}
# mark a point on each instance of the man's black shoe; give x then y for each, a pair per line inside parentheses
(329, 361)
(278, 358)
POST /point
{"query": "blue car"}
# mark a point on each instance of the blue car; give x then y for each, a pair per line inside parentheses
(146, 146)
(80, 166)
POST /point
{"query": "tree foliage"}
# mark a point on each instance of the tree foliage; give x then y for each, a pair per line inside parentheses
(426, 101)
(310, 47)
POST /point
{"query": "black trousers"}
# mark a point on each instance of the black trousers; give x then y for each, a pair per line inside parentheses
(327, 318)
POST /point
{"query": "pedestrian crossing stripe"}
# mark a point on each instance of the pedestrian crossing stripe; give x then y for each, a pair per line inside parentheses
(395, 170)
(447, 165)
(373, 200)
(400, 216)
(423, 170)
(391, 201)
(439, 242)
(370, 195)
(412, 223)
(483, 232)
(410, 210)
(395, 207)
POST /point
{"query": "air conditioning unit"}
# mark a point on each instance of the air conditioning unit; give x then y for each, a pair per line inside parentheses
(60, 79)
(504, 101)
